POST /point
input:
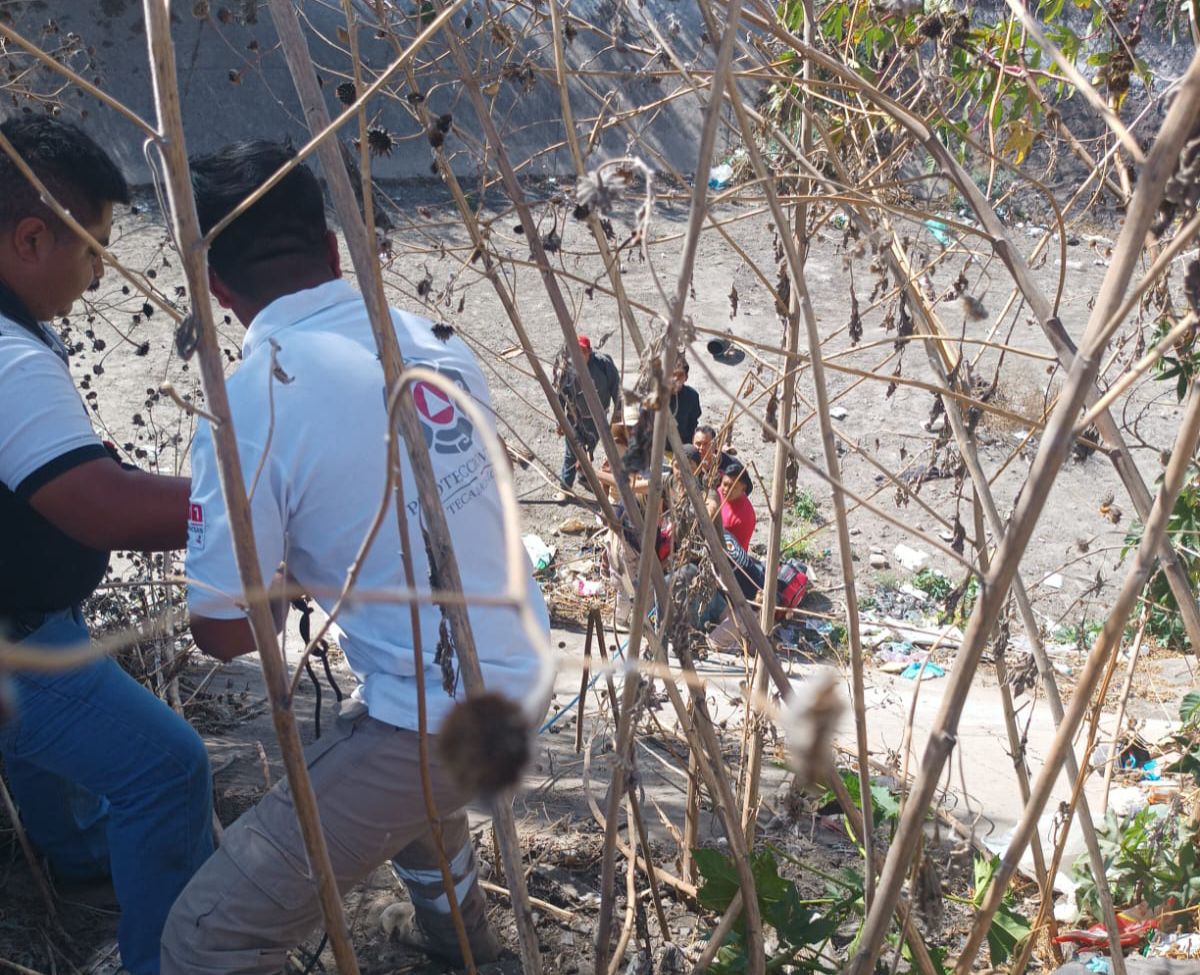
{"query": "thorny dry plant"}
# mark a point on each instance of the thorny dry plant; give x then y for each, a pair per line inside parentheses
(932, 151)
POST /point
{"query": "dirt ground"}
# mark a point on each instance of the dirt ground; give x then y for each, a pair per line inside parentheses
(124, 351)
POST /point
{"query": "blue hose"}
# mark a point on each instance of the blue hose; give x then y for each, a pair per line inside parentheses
(575, 700)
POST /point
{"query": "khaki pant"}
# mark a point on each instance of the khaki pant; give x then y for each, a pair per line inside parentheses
(255, 898)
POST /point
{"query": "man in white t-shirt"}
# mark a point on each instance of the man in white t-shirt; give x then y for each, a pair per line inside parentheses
(309, 408)
(109, 780)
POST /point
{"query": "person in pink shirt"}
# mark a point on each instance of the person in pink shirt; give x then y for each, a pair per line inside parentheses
(737, 513)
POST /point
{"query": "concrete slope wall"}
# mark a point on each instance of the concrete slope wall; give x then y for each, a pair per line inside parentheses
(235, 84)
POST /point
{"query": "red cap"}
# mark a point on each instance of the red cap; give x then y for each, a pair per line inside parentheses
(585, 343)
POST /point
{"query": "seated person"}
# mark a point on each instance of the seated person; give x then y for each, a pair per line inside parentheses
(620, 432)
(713, 459)
(737, 513)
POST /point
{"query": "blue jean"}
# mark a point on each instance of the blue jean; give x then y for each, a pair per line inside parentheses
(109, 780)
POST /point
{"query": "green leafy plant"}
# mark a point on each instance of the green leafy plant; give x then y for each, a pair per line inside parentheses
(937, 585)
(1187, 739)
(1183, 527)
(804, 507)
(1149, 857)
(800, 546)
(1008, 929)
(1180, 363)
(884, 802)
(802, 925)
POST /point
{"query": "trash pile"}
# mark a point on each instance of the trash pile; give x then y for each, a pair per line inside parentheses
(901, 630)
(573, 588)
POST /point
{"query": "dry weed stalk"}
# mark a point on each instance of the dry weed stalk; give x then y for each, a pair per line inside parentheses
(189, 239)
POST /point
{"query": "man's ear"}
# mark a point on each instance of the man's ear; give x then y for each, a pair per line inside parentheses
(32, 239)
(333, 254)
(219, 289)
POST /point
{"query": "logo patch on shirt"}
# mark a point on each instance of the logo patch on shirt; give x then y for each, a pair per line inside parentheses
(195, 526)
(447, 431)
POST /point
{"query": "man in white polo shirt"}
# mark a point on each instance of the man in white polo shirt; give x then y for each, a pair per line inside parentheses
(308, 404)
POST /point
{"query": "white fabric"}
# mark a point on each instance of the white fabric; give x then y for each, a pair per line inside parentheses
(41, 414)
(322, 481)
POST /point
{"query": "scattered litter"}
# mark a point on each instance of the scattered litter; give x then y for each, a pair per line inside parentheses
(1126, 801)
(572, 526)
(1132, 932)
(1176, 945)
(1053, 581)
(912, 559)
(839, 412)
(922, 671)
(720, 176)
(589, 587)
(896, 656)
(540, 554)
(938, 230)
(948, 637)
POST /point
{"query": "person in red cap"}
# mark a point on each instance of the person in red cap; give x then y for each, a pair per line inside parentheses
(608, 387)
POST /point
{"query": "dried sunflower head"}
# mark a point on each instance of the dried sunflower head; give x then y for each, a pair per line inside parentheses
(380, 141)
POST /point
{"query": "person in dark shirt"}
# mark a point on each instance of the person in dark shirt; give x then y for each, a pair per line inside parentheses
(109, 781)
(685, 403)
(608, 387)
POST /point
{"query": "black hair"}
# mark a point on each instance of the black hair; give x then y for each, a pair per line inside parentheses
(692, 453)
(737, 470)
(707, 430)
(287, 222)
(79, 174)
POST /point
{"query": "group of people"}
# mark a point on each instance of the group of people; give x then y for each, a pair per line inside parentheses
(724, 480)
(109, 780)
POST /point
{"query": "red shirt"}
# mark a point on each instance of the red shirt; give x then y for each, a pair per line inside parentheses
(738, 518)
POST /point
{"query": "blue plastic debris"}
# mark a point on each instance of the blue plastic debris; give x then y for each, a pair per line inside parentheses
(938, 230)
(931, 671)
(720, 176)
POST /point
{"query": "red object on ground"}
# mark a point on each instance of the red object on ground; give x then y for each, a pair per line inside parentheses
(1133, 932)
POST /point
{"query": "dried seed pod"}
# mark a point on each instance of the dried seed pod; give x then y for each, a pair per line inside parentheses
(809, 721)
(346, 93)
(380, 141)
(485, 743)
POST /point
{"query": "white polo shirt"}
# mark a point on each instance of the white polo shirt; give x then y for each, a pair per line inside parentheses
(322, 482)
(44, 426)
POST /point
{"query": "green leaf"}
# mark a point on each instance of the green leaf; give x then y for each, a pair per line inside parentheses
(885, 805)
(985, 870)
(720, 878)
(1189, 707)
(1006, 933)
